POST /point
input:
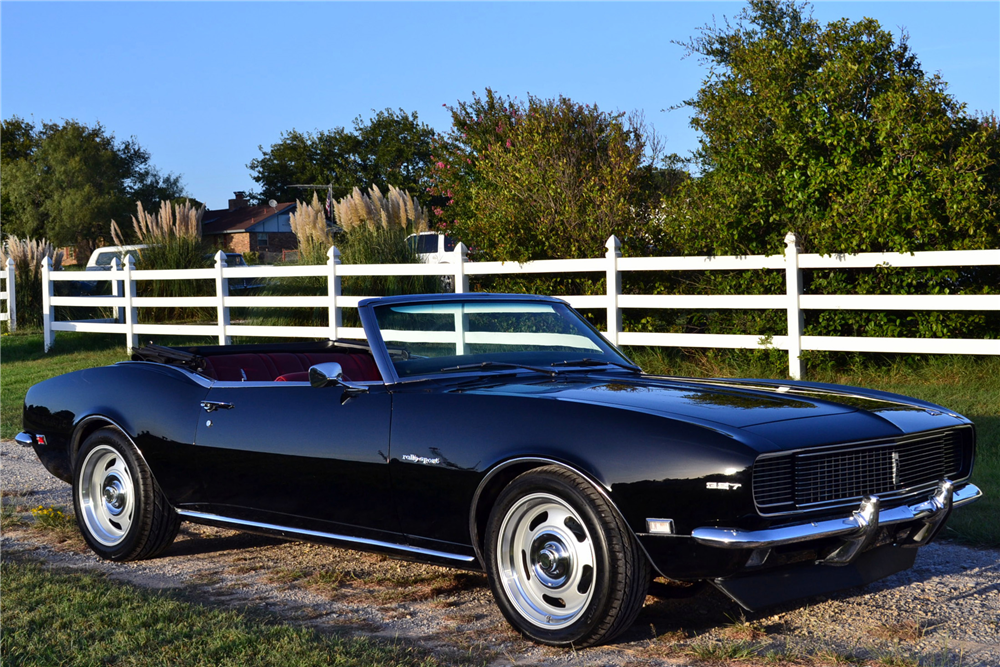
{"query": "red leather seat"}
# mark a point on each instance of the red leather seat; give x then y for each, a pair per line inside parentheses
(302, 376)
(283, 366)
(236, 367)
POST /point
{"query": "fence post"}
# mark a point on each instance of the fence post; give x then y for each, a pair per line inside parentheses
(796, 319)
(614, 287)
(11, 297)
(48, 335)
(131, 314)
(221, 292)
(333, 283)
(116, 288)
(461, 280)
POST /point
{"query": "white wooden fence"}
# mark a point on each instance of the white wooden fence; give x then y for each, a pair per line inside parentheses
(794, 302)
(9, 296)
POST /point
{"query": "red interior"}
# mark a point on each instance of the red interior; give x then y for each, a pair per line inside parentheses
(287, 366)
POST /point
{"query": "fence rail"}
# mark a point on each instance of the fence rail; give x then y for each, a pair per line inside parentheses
(9, 296)
(124, 299)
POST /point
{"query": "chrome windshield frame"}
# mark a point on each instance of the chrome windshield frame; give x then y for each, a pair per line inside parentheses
(380, 351)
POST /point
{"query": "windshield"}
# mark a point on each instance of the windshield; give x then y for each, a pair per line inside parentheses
(105, 258)
(423, 244)
(437, 337)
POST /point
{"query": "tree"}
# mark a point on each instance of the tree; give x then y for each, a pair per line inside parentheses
(835, 133)
(392, 148)
(67, 181)
(17, 140)
(545, 178)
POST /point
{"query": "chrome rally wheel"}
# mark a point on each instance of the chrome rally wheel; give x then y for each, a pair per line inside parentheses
(564, 567)
(106, 495)
(546, 561)
(121, 511)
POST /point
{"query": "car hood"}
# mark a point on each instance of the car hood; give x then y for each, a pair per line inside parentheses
(740, 404)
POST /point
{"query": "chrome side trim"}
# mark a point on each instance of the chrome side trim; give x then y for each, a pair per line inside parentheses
(24, 439)
(203, 516)
(857, 526)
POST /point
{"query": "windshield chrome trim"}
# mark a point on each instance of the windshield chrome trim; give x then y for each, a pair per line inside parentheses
(383, 360)
(205, 516)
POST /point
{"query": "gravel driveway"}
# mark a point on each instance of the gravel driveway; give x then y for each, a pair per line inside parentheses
(944, 611)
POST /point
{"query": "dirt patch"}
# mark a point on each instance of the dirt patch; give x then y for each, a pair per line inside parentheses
(944, 611)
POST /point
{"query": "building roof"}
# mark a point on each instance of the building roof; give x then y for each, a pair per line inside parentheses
(225, 221)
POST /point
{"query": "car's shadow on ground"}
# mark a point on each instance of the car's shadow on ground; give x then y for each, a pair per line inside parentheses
(194, 544)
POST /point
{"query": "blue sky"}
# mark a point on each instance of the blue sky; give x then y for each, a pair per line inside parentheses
(201, 85)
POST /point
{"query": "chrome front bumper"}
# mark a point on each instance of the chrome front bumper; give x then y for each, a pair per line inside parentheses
(859, 529)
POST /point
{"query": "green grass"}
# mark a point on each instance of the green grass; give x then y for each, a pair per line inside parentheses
(723, 651)
(62, 618)
(23, 363)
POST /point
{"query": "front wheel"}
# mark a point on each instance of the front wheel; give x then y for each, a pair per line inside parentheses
(563, 567)
(121, 512)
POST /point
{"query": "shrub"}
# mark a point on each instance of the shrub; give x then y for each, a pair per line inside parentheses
(397, 209)
(370, 244)
(375, 230)
(28, 255)
(834, 132)
(547, 178)
(173, 239)
(313, 234)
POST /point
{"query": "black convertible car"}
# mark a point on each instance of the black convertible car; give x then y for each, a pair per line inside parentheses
(503, 433)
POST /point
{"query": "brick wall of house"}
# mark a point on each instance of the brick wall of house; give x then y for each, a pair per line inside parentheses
(276, 242)
(70, 257)
(229, 242)
(239, 242)
(247, 242)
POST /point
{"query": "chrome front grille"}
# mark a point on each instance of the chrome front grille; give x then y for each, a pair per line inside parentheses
(843, 474)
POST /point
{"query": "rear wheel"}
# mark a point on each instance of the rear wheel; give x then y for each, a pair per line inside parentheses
(121, 512)
(564, 568)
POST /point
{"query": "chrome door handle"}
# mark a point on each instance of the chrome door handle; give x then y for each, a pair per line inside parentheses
(212, 406)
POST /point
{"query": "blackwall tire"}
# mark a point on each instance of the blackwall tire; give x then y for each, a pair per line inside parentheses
(564, 568)
(120, 511)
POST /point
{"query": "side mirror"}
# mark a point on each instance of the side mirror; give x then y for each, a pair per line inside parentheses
(331, 373)
(323, 375)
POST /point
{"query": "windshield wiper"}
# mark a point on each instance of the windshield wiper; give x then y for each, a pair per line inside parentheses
(588, 361)
(498, 365)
